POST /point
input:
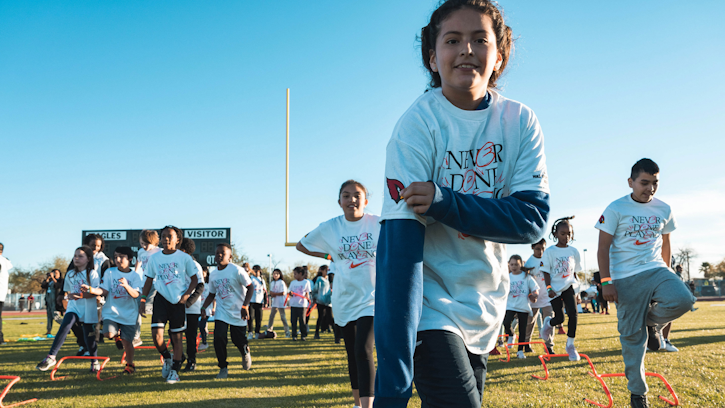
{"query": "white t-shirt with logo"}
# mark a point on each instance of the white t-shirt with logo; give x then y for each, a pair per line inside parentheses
(229, 286)
(85, 308)
(170, 273)
(637, 229)
(353, 246)
(520, 287)
(143, 256)
(5, 267)
(543, 300)
(491, 153)
(303, 289)
(278, 286)
(196, 306)
(259, 287)
(120, 307)
(561, 264)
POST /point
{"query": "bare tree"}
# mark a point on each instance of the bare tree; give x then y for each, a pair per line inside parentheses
(684, 256)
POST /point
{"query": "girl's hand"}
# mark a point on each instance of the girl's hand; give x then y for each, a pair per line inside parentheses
(419, 195)
(123, 282)
(245, 313)
(533, 297)
(609, 292)
(85, 288)
(203, 313)
(183, 299)
(142, 309)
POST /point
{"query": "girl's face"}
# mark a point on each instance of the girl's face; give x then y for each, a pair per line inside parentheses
(353, 201)
(143, 244)
(539, 250)
(299, 276)
(122, 261)
(169, 239)
(80, 260)
(514, 266)
(276, 276)
(563, 234)
(96, 246)
(465, 53)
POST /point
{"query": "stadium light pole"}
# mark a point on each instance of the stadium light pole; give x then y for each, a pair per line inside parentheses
(585, 262)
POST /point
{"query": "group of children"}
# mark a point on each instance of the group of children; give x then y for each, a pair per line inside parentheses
(465, 175)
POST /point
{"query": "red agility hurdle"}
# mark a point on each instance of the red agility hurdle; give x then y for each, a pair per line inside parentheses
(98, 374)
(14, 379)
(674, 402)
(593, 373)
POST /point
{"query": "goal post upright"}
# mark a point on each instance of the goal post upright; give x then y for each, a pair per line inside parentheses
(286, 193)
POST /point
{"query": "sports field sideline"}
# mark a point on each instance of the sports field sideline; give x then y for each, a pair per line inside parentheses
(314, 373)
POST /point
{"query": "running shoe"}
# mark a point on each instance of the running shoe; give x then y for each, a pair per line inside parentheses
(653, 339)
(561, 331)
(202, 347)
(173, 377)
(95, 366)
(547, 332)
(137, 342)
(639, 401)
(119, 343)
(511, 341)
(81, 351)
(166, 369)
(47, 363)
(520, 354)
(223, 374)
(130, 369)
(247, 358)
(573, 354)
(527, 349)
(669, 347)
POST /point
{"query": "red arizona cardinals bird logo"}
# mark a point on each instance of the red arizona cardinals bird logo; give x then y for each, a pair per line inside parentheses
(394, 187)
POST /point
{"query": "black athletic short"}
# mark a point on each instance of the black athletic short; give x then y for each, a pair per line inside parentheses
(164, 311)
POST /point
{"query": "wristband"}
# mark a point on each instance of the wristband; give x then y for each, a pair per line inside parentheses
(143, 300)
(605, 283)
(245, 307)
(143, 297)
(328, 257)
(606, 280)
(549, 287)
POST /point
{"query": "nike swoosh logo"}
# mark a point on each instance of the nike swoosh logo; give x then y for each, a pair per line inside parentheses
(118, 297)
(352, 264)
(565, 276)
(515, 295)
(640, 243)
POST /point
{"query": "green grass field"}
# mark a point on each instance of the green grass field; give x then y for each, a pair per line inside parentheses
(314, 374)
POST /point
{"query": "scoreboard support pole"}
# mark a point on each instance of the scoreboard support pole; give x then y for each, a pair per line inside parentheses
(287, 243)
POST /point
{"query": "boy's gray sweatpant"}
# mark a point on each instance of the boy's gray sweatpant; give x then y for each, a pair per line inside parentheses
(648, 298)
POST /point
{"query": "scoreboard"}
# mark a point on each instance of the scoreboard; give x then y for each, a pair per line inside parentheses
(206, 240)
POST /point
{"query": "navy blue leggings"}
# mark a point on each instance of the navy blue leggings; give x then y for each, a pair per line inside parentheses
(88, 335)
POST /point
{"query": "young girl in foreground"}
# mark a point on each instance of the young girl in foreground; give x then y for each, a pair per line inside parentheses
(81, 307)
(277, 293)
(465, 173)
(560, 265)
(523, 288)
(351, 242)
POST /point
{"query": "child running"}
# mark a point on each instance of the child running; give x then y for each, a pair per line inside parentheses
(465, 174)
(231, 287)
(634, 263)
(278, 294)
(299, 300)
(560, 266)
(351, 242)
(193, 308)
(255, 307)
(170, 268)
(522, 290)
(542, 304)
(120, 285)
(81, 307)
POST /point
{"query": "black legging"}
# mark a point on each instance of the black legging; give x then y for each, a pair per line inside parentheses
(565, 299)
(323, 313)
(359, 340)
(523, 318)
(255, 314)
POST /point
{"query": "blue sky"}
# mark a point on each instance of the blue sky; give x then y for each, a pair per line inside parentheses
(140, 114)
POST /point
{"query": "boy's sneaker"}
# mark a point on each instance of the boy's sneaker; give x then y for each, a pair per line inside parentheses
(303, 338)
(521, 354)
(202, 347)
(317, 337)
(294, 338)
(247, 359)
(550, 349)
(166, 369)
(137, 342)
(190, 366)
(527, 349)
(287, 335)
(511, 341)
(547, 332)
(119, 343)
(669, 347)
(81, 351)
(639, 401)
(653, 339)
(173, 377)
(573, 354)
(130, 369)
(561, 331)
(223, 374)
(47, 363)
(95, 366)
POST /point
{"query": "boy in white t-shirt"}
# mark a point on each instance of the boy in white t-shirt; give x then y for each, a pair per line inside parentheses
(634, 254)
(168, 271)
(231, 287)
(120, 286)
(523, 288)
